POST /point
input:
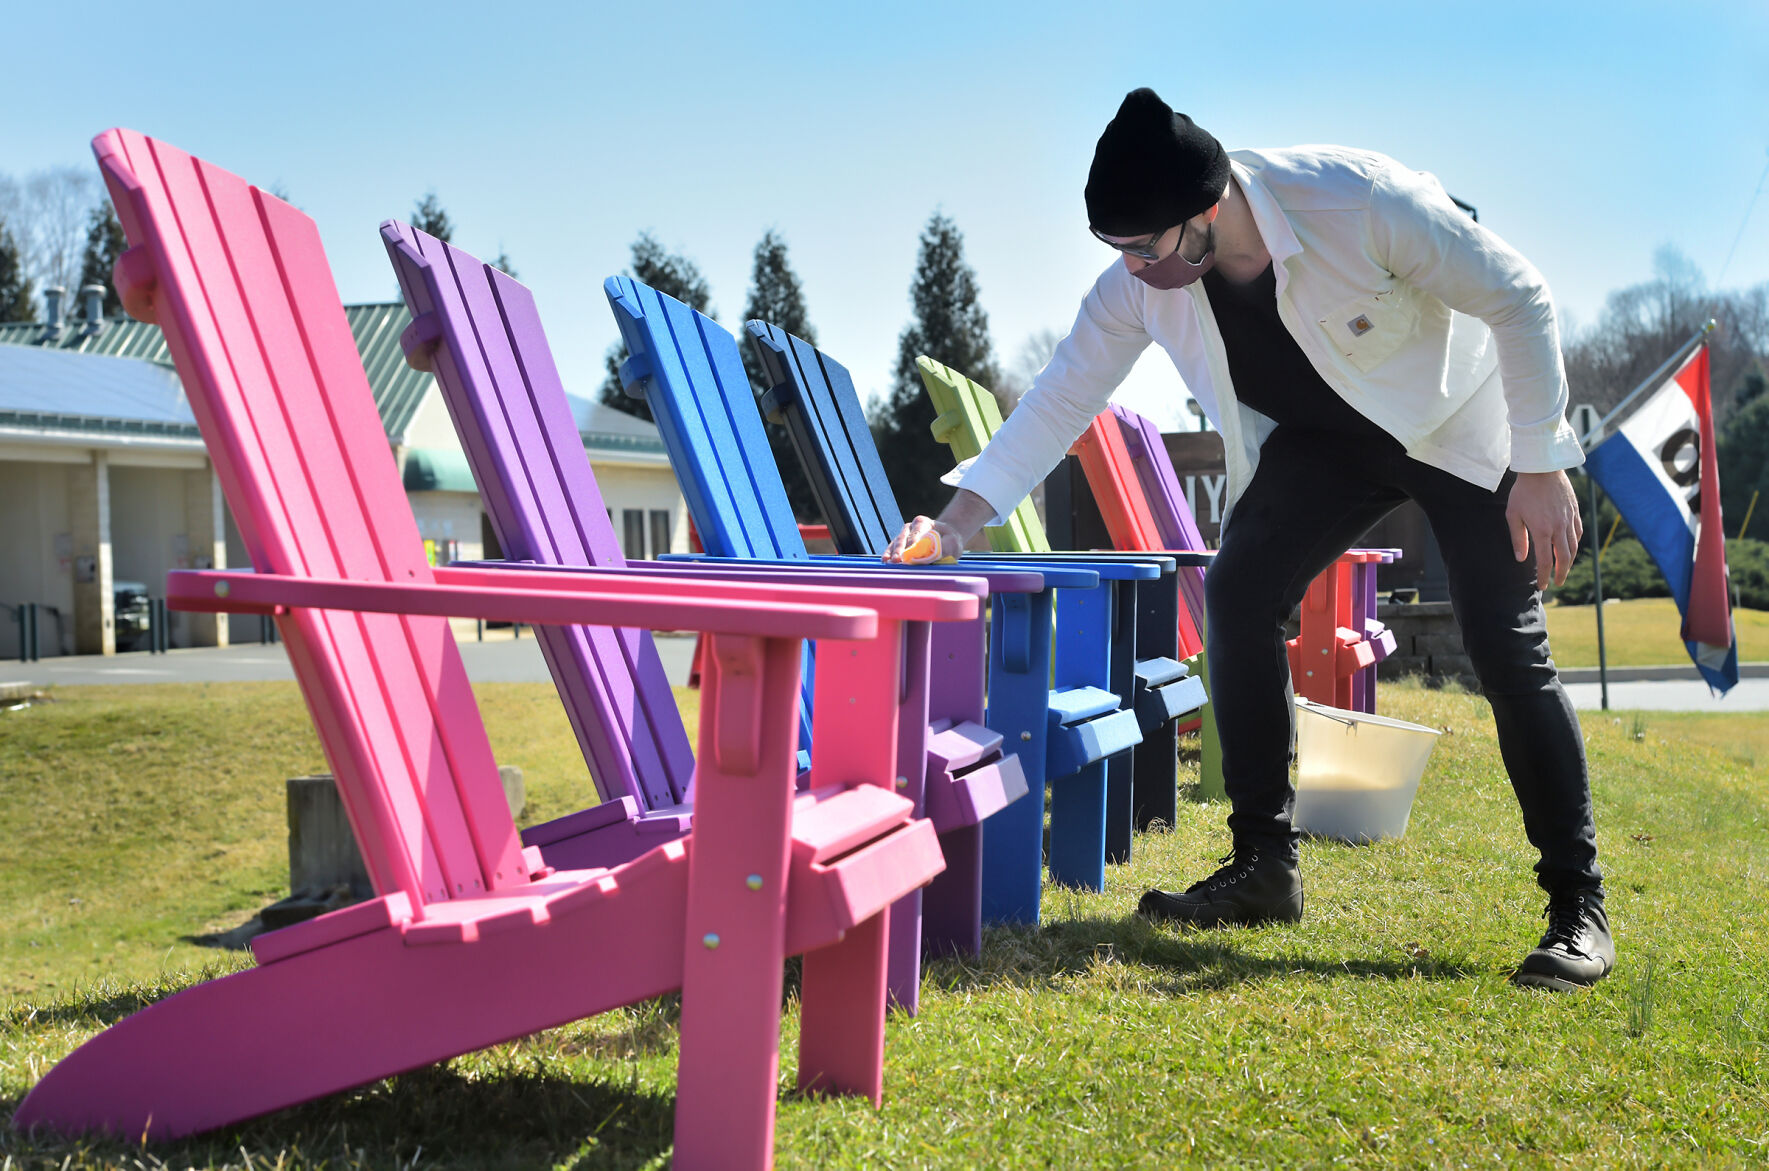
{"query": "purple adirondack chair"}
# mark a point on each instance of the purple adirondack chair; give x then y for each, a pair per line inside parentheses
(472, 940)
(1167, 502)
(479, 331)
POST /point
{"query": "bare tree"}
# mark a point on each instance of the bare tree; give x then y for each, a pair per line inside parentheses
(11, 200)
(56, 206)
(1643, 324)
(1034, 354)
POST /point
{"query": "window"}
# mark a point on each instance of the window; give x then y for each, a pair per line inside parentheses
(632, 522)
(660, 532)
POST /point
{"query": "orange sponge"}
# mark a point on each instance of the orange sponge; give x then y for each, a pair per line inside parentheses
(922, 552)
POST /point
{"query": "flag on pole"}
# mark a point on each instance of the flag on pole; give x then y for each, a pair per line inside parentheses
(1661, 470)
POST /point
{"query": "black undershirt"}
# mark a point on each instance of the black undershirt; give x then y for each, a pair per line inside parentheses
(1270, 372)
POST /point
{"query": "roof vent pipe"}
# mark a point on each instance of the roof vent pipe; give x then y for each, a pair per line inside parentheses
(52, 312)
(92, 299)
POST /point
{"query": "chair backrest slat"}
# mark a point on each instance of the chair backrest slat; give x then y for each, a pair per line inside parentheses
(1116, 489)
(1166, 502)
(968, 419)
(705, 408)
(823, 418)
(1154, 467)
(252, 317)
(503, 390)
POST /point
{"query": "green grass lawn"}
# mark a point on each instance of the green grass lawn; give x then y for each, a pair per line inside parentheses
(1641, 632)
(1379, 1031)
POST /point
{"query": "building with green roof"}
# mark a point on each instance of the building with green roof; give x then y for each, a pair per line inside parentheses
(104, 478)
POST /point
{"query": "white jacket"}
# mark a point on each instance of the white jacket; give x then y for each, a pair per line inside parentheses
(1428, 324)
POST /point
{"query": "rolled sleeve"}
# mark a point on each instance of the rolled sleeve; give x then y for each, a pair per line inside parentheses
(1423, 238)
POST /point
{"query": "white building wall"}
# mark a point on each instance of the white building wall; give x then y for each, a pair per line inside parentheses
(647, 489)
(450, 516)
(148, 532)
(36, 553)
(430, 425)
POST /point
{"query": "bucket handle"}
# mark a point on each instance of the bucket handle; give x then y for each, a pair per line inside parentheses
(1327, 713)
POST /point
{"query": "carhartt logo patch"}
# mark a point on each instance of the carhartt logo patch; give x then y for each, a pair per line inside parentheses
(1360, 325)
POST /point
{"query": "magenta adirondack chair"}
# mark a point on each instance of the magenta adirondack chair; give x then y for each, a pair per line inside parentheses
(479, 331)
(471, 940)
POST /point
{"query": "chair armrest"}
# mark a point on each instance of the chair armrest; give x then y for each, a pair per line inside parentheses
(716, 569)
(1001, 579)
(1056, 576)
(1109, 566)
(904, 605)
(716, 608)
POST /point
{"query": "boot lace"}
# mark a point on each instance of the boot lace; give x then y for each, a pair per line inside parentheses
(1567, 917)
(1231, 869)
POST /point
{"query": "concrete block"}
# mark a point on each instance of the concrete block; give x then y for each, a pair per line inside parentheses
(1395, 666)
(1453, 667)
(1437, 645)
(323, 854)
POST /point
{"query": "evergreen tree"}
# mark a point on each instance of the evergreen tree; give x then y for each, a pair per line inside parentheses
(1744, 464)
(428, 216)
(18, 298)
(503, 265)
(672, 275)
(776, 297)
(949, 327)
(105, 242)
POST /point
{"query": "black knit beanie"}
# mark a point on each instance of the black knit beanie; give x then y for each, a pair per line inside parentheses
(1152, 169)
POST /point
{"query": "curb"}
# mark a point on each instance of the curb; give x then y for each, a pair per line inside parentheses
(1644, 674)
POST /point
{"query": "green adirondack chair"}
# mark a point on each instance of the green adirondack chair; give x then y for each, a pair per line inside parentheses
(968, 419)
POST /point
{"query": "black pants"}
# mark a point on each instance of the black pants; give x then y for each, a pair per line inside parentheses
(1313, 496)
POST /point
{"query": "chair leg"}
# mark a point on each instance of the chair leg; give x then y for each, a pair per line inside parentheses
(1157, 758)
(1157, 776)
(841, 1024)
(735, 936)
(1078, 828)
(1120, 798)
(1120, 769)
(903, 965)
(1019, 703)
(910, 780)
(952, 922)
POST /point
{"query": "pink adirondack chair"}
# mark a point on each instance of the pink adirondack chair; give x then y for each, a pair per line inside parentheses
(471, 941)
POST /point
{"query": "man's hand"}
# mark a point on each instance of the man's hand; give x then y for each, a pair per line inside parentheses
(947, 542)
(1544, 514)
(959, 521)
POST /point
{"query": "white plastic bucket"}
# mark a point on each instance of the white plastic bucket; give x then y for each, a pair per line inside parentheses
(1357, 773)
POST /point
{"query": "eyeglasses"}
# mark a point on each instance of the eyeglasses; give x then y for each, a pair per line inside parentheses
(1145, 250)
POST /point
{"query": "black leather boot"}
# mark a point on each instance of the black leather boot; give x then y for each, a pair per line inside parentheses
(1254, 885)
(1576, 951)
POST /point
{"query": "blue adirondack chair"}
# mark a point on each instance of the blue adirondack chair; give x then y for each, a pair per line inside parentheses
(813, 395)
(481, 334)
(687, 368)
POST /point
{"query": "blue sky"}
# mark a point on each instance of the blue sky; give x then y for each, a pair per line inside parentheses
(1588, 134)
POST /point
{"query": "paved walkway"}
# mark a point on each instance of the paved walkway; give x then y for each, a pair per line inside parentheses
(500, 659)
(1672, 695)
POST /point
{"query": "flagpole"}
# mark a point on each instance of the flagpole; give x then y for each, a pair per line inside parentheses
(1653, 380)
(1597, 589)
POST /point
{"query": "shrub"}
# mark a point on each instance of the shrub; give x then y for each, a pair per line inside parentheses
(1627, 573)
(1748, 561)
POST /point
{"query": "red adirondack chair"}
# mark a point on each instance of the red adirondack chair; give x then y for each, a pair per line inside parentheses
(471, 941)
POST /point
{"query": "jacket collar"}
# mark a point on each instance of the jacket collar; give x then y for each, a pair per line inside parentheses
(1274, 226)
